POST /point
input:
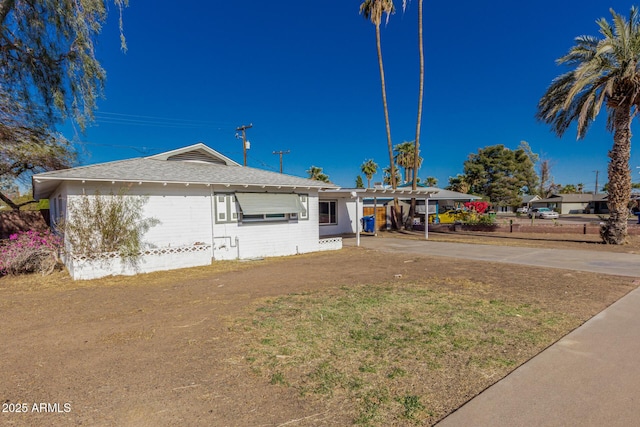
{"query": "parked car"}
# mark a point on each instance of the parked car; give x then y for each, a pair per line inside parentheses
(544, 213)
(448, 217)
(522, 210)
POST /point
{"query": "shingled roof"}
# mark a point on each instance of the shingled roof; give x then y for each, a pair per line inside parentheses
(195, 164)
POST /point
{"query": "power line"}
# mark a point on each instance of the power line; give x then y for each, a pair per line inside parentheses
(161, 119)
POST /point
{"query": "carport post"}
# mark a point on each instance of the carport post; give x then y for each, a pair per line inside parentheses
(426, 218)
(358, 221)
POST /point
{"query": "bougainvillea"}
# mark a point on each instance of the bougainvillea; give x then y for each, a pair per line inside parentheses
(30, 252)
(480, 207)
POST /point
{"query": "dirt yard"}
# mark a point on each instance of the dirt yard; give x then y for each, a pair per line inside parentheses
(160, 350)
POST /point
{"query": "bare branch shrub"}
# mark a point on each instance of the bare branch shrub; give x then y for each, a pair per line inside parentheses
(99, 224)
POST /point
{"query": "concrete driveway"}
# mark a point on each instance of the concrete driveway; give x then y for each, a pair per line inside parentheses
(619, 264)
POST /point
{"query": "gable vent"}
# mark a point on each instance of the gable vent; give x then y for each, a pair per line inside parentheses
(196, 156)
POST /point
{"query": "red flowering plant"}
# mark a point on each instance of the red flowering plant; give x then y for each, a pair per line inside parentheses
(30, 252)
(480, 207)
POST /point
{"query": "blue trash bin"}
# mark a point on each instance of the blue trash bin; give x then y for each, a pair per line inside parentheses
(368, 223)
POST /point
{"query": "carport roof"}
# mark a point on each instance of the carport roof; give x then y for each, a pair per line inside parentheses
(424, 192)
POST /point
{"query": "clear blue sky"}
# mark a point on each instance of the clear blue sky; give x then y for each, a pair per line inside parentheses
(305, 75)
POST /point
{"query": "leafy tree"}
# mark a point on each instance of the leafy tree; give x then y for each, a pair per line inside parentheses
(500, 174)
(605, 74)
(315, 173)
(369, 168)
(359, 182)
(49, 73)
(568, 189)
(458, 183)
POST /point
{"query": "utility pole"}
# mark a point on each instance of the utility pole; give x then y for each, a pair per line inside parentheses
(243, 128)
(281, 153)
(597, 172)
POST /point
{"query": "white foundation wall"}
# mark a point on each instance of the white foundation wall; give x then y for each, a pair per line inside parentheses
(268, 238)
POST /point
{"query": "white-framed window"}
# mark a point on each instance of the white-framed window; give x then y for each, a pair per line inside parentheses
(328, 211)
(266, 217)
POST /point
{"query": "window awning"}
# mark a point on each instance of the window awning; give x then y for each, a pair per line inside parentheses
(269, 203)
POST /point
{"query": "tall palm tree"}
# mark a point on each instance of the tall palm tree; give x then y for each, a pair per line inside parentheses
(373, 10)
(416, 163)
(607, 72)
(369, 168)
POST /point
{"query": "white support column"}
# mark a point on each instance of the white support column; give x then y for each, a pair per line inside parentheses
(426, 218)
(376, 226)
(358, 217)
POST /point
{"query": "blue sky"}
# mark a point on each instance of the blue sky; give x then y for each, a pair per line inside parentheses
(305, 75)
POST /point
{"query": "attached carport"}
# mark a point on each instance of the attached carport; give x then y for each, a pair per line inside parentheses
(341, 210)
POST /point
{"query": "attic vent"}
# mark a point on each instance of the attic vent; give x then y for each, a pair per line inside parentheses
(196, 156)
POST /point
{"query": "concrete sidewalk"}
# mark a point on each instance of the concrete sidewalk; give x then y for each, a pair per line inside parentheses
(591, 377)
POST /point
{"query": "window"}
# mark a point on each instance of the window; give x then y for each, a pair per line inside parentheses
(264, 217)
(328, 211)
(257, 207)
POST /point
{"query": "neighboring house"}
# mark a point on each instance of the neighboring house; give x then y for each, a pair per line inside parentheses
(209, 207)
(528, 199)
(574, 203)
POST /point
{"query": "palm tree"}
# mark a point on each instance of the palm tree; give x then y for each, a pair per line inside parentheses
(373, 11)
(315, 173)
(369, 168)
(416, 163)
(431, 181)
(386, 177)
(405, 158)
(606, 73)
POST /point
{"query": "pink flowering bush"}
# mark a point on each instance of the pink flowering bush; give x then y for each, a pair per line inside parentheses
(30, 252)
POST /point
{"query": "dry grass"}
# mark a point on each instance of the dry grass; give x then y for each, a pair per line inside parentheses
(329, 338)
(390, 352)
(60, 280)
